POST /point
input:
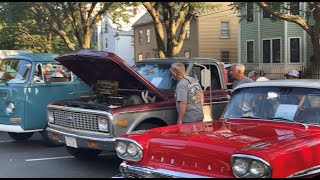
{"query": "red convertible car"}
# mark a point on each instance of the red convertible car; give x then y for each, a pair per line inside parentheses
(268, 129)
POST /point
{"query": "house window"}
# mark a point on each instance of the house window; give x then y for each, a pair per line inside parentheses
(265, 14)
(106, 27)
(250, 51)
(276, 51)
(148, 35)
(294, 8)
(225, 56)
(134, 11)
(271, 51)
(188, 32)
(294, 50)
(224, 29)
(132, 40)
(276, 6)
(187, 54)
(249, 11)
(140, 57)
(106, 42)
(140, 36)
(266, 51)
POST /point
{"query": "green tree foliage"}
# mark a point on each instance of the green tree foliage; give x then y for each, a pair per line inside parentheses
(171, 20)
(307, 18)
(49, 25)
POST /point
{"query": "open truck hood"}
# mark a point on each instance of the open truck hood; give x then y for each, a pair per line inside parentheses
(93, 65)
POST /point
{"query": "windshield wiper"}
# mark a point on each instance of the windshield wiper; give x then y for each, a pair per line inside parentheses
(288, 120)
(250, 117)
(280, 118)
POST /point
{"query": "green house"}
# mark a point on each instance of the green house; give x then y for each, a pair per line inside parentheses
(273, 47)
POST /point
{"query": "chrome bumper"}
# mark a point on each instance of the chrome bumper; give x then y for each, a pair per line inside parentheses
(84, 139)
(135, 171)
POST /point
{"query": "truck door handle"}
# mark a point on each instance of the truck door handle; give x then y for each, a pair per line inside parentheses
(72, 93)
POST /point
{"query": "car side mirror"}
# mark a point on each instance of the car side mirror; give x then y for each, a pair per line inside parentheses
(205, 78)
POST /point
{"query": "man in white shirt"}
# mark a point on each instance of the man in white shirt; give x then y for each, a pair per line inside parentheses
(256, 77)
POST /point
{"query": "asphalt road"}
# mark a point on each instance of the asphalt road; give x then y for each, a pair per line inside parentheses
(32, 159)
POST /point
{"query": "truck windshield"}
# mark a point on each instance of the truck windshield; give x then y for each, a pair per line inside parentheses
(158, 74)
(293, 104)
(14, 71)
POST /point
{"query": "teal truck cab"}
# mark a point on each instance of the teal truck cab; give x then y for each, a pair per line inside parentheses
(28, 83)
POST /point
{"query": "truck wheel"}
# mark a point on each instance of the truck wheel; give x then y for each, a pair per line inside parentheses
(145, 126)
(48, 142)
(20, 136)
(83, 154)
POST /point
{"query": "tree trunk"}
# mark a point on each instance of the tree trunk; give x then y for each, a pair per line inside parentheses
(158, 27)
(66, 39)
(48, 45)
(87, 40)
(316, 40)
(316, 51)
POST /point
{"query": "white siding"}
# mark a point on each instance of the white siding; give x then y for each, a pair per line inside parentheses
(119, 42)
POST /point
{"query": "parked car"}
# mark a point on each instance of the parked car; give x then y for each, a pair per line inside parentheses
(25, 93)
(125, 99)
(269, 129)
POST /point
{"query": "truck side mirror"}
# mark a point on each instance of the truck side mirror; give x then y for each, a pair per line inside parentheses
(205, 78)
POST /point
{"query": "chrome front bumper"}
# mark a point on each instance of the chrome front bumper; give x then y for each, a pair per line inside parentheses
(135, 171)
(83, 139)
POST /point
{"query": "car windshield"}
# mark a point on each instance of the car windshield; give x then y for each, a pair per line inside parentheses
(158, 74)
(276, 103)
(14, 70)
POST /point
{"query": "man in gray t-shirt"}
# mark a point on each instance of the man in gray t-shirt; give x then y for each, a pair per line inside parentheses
(189, 96)
(237, 72)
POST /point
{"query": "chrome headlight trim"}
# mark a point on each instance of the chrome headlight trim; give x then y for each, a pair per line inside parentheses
(50, 116)
(250, 159)
(129, 156)
(10, 108)
(103, 123)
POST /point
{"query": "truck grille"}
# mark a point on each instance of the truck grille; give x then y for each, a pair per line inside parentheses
(76, 120)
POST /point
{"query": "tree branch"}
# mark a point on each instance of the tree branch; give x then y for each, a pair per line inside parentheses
(287, 17)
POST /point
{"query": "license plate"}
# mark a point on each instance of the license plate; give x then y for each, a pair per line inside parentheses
(72, 142)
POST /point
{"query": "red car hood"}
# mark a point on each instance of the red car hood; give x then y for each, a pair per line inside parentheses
(203, 146)
(92, 65)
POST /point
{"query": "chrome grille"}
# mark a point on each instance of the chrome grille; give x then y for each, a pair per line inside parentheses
(76, 120)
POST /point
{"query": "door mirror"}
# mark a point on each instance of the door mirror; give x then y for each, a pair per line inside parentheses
(205, 78)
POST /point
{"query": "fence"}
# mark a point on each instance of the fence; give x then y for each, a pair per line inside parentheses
(279, 71)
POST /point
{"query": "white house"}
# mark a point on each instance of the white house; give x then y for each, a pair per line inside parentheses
(119, 39)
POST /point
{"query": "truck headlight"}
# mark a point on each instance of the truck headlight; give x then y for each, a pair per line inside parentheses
(10, 108)
(103, 124)
(248, 166)
(128, 149)
(50, 116)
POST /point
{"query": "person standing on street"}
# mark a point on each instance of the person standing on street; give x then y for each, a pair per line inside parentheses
(256, 76)
(189, 96)
(237, 72)
(292, 74)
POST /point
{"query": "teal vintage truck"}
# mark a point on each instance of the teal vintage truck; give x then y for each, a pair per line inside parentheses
(26, 90)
